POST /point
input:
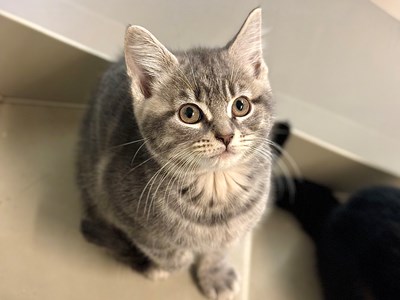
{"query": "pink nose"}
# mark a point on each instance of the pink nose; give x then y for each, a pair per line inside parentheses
(225, 138)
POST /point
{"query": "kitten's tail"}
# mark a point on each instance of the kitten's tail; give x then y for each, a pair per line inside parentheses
(310, 203)
(279, 135)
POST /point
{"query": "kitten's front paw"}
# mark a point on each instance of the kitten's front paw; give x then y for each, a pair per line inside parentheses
(156, 273)
(219, 282)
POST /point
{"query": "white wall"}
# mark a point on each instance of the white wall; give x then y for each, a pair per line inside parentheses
(342, 56)
(335, 65)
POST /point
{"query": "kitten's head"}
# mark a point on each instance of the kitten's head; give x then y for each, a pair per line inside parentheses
(205, 108)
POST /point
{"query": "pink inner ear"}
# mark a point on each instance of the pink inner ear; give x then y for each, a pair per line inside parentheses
(145, 84)
(257, 69)
(144, 80)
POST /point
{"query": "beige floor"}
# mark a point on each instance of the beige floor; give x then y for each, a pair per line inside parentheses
(43, 256)
(282, 261)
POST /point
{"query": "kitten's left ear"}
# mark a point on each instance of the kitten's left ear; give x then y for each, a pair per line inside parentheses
(246, 46)
(147, 60)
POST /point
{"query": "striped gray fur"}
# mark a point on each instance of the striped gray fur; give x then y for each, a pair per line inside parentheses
(160, 189)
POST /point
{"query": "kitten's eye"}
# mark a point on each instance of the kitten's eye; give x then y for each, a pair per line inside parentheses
(240, 107)
(190, 113)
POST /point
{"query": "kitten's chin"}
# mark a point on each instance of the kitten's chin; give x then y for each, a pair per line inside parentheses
(224, 160)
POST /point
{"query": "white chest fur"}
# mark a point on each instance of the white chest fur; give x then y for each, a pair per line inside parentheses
(222, 184)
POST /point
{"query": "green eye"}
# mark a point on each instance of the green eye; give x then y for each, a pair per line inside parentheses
(190, 114)
(241, 107)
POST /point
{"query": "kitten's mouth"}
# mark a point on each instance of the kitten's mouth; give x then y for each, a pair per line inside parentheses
(224, 159)
(224, 154)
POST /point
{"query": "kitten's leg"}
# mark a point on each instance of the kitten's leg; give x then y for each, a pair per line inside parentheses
(166, 261)
(216, 277)
(101, 233)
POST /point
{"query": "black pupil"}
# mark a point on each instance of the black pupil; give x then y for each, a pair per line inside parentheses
(189, 112)
(239, 105)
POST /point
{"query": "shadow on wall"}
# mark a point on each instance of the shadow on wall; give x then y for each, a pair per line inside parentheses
(52, 71)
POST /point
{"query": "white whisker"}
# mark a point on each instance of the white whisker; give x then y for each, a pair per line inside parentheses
(291, 162)
(155, 175)
(137, 151)
(128, 143)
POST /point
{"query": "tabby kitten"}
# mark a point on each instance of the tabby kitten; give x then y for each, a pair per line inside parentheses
(174, 161)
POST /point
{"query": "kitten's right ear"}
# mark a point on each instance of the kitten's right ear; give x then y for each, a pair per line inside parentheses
(246, 46)
(146, 60)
